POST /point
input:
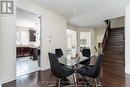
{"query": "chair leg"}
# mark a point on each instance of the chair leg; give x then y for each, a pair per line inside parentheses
(96, 83)
(59, 80)
(52, 84)
(75, 80)
(89, 83)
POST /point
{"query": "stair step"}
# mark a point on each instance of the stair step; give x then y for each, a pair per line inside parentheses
(113, 57)
(116, 33)
(117, 29)
(115, 42)
(116, 36)
(121, 37)
(115, 39)
(114, 65)
(118, 73)
(114, 75)
(114, 52)
(117, 49)
(114, 47)
(117, 69)
(109, 41)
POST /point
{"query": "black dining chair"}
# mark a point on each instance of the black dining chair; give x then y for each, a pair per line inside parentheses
(92, 71)
(59, 70)
(59, 52)
(86, 53)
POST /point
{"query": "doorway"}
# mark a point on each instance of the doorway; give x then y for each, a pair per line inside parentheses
(27, 42)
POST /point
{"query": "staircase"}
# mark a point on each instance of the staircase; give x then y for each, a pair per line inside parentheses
(114, 52)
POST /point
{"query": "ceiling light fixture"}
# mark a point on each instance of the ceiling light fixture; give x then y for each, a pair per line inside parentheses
(98, 14)
(75, 11)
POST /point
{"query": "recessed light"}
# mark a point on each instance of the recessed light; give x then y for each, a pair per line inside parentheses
(75, 11)
(98, 14)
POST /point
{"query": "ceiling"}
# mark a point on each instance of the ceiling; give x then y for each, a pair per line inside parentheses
(86, 13)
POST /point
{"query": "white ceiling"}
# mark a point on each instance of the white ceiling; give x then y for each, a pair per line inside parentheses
(86, 13)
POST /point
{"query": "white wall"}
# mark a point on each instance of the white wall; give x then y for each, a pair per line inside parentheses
(99, 34)
(92, 38)
(127, 40)
(7, 48)
(118, 22)
(53, 28)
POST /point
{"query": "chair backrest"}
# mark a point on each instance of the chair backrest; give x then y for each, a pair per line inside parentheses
(59, 52)
(98, 65)
(54, 64)
(86, 52)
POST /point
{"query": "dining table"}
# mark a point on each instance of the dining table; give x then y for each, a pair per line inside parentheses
(73, 61)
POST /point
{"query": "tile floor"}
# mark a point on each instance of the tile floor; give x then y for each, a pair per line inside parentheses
(25, 65)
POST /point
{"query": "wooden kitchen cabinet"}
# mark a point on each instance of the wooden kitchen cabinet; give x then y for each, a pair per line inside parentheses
(27, 52)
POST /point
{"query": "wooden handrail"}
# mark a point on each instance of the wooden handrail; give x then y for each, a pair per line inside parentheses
(106, 34)
(105, 39)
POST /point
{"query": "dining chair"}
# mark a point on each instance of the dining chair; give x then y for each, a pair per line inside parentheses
(86, 53)
(92, 71)
(59, 70)
(59, 52)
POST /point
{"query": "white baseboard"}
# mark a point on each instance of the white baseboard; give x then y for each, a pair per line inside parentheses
(127, 74)
(45, 68)
(14, 78)
(8, 80)
(127, 71)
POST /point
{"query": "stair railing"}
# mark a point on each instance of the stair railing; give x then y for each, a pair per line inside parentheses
(108, 22)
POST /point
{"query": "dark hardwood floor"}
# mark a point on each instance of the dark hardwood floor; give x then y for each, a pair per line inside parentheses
(41, 79)
(110, 79)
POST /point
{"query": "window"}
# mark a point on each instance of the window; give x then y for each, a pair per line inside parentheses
(71, 39)
(22, 38)
(85, 40)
